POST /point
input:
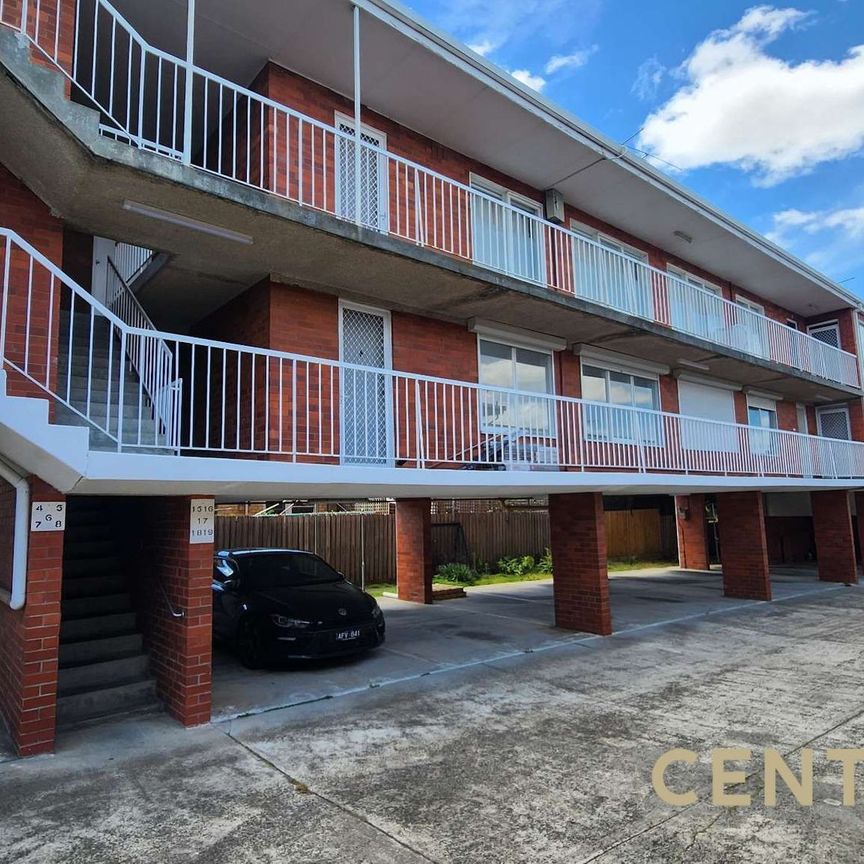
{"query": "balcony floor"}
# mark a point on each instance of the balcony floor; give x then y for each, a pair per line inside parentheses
(493, 622)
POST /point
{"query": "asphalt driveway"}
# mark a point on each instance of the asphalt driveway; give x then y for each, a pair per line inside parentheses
(532, 757)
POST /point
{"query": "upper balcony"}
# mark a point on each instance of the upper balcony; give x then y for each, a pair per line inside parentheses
(196, 401)
(157, 102)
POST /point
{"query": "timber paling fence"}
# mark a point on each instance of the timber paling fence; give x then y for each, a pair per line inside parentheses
(362, 545)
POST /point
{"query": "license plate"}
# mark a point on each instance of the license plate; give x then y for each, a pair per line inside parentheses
(348, 635)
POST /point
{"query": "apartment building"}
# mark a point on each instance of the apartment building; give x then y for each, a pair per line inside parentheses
(322, 250)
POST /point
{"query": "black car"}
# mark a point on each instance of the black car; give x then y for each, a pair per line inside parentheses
(285, 604)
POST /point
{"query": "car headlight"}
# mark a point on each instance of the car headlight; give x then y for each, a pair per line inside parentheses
(377, 614)
(284, 621)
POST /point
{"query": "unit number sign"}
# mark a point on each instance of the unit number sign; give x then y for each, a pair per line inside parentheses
(202, 521)
(48, 516)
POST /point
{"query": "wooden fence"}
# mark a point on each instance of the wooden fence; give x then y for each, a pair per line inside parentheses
(362, 545)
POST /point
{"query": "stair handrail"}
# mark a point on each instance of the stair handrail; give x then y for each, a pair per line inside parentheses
(152, 359)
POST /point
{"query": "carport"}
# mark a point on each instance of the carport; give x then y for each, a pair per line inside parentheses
(492, 622)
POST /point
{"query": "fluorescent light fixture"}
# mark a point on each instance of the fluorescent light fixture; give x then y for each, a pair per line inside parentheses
(186, 222)
(681, 235)
(692, 364)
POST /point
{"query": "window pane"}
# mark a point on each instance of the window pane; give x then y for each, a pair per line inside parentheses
(593, 384)
(533, 372)
(496, 364)
(620, 389)
(645, 394)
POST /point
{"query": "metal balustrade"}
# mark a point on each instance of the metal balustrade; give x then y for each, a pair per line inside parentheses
(158, 102)
(236, 401)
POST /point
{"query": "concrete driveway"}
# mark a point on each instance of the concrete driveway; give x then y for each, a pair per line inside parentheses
(542, 757)
(494, 622)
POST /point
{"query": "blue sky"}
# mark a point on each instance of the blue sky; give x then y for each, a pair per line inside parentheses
(758, 108)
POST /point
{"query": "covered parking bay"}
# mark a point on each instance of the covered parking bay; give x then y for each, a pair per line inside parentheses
(492, 622)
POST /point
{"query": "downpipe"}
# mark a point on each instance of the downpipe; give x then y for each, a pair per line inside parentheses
(16, 598)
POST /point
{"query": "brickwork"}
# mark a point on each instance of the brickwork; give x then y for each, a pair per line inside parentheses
(30, 639)
(743, 545)
(578, 541)
(692, 538)
(414, 550)
(177, 572)
(835, 543)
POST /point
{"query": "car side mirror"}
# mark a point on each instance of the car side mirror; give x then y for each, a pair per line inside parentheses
(230, 584)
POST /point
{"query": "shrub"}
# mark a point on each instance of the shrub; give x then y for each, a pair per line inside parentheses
(517, 566)
(456, 573)
(545, 564)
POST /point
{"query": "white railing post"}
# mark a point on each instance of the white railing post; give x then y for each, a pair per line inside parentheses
(6, 294)
(121, 390)
(190, 80)
(357, 119)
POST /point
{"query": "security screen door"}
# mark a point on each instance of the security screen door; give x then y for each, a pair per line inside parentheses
(366, 393)
(373, 177)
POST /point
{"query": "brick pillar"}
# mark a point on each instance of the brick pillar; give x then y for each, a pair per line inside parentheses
(581, 581)
(692, 540)
(859, 522)
(178, 572)
(743, 546)
(414, 550)
(30, 637)
(835, 543)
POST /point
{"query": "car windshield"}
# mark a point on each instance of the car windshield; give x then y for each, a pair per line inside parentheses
(264, 570)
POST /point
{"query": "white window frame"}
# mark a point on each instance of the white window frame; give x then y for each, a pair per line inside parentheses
(383, 172)
(527, 345)
(747, 303)
(825, 325)
(601, 237)
(754, 433)
(833, 409)
(695, 281)
(388, 368)
(634, 372)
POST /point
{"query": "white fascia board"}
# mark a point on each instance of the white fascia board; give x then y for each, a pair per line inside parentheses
(516, 335)
(409, 24)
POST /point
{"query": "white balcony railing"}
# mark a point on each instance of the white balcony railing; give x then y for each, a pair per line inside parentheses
(156, 101)
(237, 401)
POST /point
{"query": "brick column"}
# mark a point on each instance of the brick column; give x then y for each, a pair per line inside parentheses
(692, 541)
(743, 546)
(859, 522)
(178, 572)
(414, 550)
(30, 637)
(835, 543)
(580, 578)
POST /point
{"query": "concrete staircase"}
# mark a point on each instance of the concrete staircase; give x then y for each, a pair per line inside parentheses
(103, 665)
(107, 367)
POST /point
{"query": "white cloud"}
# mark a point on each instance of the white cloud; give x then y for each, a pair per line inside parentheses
(741, 106)
(483, 47)
(568, 61)
(649, 76)
(529, 79)
(832, 240)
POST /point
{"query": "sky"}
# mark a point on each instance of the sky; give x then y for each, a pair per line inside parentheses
(757, 108)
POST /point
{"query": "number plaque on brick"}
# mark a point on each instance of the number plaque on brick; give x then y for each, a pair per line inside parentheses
(202, 521)
(48, 516)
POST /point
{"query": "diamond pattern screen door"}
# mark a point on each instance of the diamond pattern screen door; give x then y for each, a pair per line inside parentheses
(366, 420)
(373, 177)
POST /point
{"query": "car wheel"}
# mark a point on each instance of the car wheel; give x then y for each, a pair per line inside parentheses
(250, 645)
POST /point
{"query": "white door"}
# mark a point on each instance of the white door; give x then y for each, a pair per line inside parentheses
(709, 403)
(827, 362)
(833, 422)
(750, 331)
(374, 202)
(366, 392)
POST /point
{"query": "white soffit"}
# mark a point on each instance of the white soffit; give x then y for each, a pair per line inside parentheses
(417, 75)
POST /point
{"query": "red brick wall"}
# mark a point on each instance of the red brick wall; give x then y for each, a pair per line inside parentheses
(24, 213)
(45, 30)
(30, 640)
(743, 546)
(414, 550)
(577, 528)
(179, 648)
(835, 545)
(692, 538)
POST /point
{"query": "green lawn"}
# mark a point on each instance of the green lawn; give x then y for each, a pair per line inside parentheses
(615, 566)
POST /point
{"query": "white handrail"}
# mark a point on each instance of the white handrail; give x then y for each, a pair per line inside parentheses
(257, 141)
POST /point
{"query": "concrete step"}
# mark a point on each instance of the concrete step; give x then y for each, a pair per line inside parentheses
(99, 676)
(83, 629)
(77, 608)
(106, 565)
(92, 586)
(131, 696)
(101, 650)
